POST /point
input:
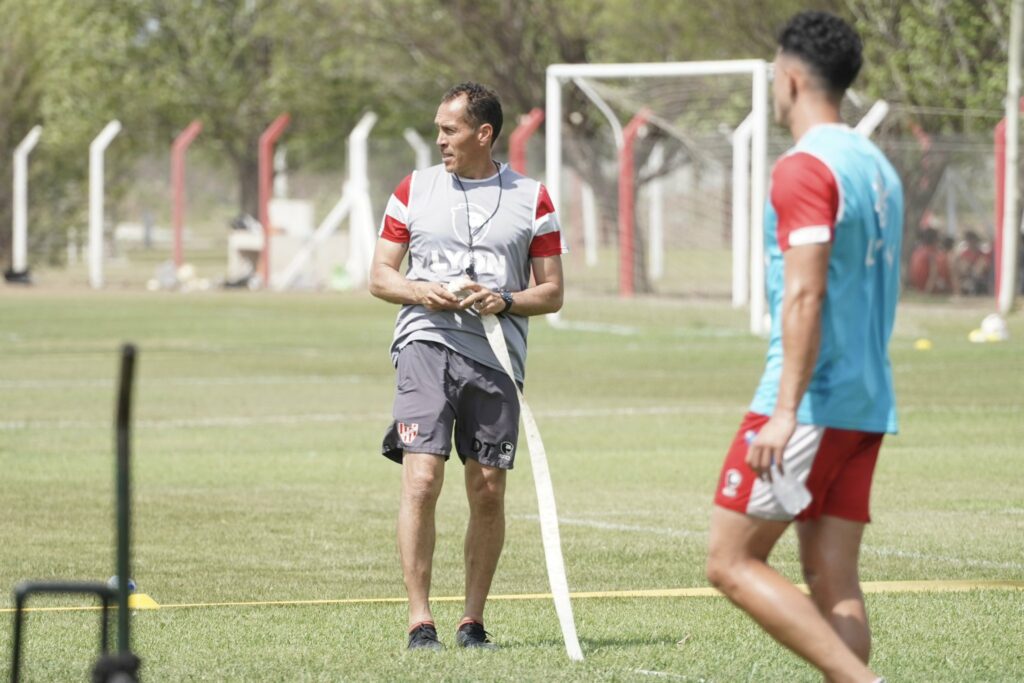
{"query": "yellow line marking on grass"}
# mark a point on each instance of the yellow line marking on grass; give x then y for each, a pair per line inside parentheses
(144, 602)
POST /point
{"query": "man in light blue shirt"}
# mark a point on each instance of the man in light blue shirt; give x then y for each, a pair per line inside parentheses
(807, 449)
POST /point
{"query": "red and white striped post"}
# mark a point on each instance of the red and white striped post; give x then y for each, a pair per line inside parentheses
(178, 149)
(627, 203)
(528, 125)
(266, 176)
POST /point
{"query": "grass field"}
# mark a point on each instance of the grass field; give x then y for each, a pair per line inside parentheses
(257, 479)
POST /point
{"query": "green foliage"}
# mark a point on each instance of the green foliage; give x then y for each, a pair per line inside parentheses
(72, 65)
(949, 55)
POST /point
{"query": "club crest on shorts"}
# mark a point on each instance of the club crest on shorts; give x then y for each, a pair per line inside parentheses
(733, 479)
(407, 432)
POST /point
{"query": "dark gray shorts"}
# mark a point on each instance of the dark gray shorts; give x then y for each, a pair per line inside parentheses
(438, 389)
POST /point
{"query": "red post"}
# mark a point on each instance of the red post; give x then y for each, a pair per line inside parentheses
(266, 175)
(1000, 145)
(178, 149)
(627, 203)
(528, 125)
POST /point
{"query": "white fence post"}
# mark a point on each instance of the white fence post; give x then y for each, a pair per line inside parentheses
(656, 226)
(361, 232)
(758, 194)
(19, 229)
(741, 212)
(96, 152)
(419, 146)
(866, 126)
(1011, 226)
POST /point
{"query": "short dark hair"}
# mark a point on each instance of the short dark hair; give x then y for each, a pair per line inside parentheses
(483, 105)
(827, 44)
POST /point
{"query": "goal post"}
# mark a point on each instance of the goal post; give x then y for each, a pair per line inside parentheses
(756, 70)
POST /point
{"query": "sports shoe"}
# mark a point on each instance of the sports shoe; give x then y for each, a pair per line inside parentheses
(423, 636)
(471, 634)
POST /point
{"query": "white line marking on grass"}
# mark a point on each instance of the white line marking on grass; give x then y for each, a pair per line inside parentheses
(557, 323)
(959, 561)
(626, 411)
(177, 423)
(874, 550)
(666, 674)
(611, 526)
(256, 420)
(241, 380)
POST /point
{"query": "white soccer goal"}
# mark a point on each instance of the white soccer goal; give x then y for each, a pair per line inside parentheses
(700, 237)
(681, 152)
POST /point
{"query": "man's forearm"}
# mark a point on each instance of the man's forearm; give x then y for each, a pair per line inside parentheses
(388, 284)
(537, 300)
(801, 340)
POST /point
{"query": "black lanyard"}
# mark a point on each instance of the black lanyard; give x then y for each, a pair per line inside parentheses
(471, 269)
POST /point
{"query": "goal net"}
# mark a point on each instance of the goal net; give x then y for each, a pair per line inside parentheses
(656, 170)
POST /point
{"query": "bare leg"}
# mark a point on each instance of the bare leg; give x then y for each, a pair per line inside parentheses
(737, 565)
(829, 550)
(485, 534)
(422, 477)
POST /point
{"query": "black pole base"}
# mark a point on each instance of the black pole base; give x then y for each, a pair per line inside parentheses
(122, 667)
(17, 277)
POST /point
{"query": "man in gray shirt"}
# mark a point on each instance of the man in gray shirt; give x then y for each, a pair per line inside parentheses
(468, 216)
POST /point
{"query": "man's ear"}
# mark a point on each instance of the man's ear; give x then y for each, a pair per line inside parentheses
(485, 134)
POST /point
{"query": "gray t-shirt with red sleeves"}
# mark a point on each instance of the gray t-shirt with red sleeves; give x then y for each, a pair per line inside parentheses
(512, 220)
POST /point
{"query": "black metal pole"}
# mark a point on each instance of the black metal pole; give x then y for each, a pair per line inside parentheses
(124, 405)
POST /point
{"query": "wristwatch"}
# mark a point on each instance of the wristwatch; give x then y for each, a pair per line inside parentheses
(506, 296)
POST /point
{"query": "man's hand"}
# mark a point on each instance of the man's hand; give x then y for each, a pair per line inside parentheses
(434, 296)
(482, 300)
(770, 443)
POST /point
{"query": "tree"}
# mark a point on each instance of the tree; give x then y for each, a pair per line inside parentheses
(237, 64)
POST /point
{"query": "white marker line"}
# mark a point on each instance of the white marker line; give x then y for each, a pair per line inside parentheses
(906, 554)
(186, 381)
(255, 420)
(666, 674)
(610, 526)
(874, 550)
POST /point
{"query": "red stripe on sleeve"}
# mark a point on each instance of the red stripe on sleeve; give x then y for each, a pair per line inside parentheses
(395, 231)
(548, 244)
(804, 194)
(544, 205)
(402, 191)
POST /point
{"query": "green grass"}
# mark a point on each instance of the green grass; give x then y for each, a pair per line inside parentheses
(258, 421)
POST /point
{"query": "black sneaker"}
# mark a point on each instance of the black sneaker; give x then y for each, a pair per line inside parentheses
(472, 635)
(423, 636)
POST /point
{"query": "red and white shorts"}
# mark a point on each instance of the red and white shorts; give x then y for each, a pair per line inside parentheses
(836, 466)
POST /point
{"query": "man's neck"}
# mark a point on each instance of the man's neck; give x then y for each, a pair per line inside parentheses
(802, 119)
(484, 168)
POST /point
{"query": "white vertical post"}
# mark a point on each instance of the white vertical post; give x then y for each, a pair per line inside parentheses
(553, 152)
(866, 126)
(553, 139)
(758, 193)
(19, 229)
(419, 146)
(1010, 226)
(361, 233)
(96, 152)
(741, 212)
(656, 232)
(280, 171)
